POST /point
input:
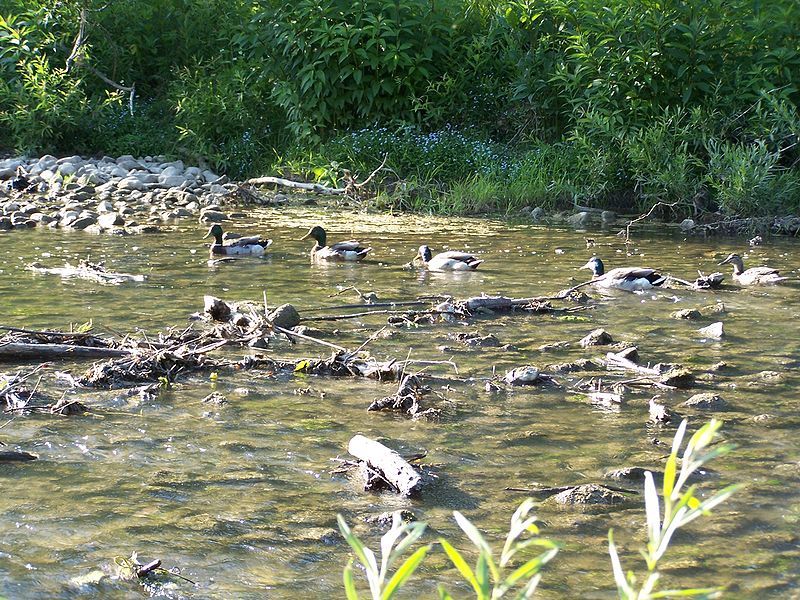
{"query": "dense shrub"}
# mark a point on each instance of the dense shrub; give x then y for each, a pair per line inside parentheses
(612, 103)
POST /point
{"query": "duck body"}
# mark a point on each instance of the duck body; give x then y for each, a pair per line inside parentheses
(630, 279)
(754, 275)
(349, 251)
(252, 245)
(452, 260)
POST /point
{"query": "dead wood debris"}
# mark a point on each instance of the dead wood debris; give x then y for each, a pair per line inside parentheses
(407, 399)
(87, 270)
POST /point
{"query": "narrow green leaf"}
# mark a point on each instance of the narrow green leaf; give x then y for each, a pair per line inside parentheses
(460, 564)
(349, 584)
(404, 572)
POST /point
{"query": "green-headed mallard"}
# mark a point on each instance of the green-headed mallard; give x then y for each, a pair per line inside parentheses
(754, 275)
(452, 260)
(347, 251)
(630, 279)
(252, 245)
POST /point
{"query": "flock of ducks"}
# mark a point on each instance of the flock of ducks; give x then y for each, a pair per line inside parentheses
(631, 279)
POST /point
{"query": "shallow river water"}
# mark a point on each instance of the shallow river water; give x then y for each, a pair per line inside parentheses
(242, 498)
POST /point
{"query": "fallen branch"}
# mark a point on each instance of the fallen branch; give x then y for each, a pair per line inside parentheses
(645, 216)
(12, 351)
(404, 478)
(309, 187)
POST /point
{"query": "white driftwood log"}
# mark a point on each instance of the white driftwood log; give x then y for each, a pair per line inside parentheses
(394, 468)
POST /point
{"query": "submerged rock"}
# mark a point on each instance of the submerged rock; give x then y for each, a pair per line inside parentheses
(285, 316)
(14, 456)
(679, 377)
(635, 474)
(527, 375)
(216, 399)
(706, 401)
(687, 313)
(582, 364)
(477, 340)
(598, 337)
(589, 494)
(715, 331)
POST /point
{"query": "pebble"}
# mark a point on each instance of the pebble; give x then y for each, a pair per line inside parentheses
(107, 194)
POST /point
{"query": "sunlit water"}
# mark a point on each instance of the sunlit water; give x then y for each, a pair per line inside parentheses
(241, 497)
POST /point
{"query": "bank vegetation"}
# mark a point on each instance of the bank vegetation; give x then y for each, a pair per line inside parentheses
(476, 105)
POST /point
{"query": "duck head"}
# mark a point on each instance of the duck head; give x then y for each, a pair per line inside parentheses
(595, 265)
(215, 231)
(735, 260)
(424, 253)
(316, 233)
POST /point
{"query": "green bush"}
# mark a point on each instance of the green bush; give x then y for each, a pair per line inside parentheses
(747, 179)
(223, 113)
(341, 63)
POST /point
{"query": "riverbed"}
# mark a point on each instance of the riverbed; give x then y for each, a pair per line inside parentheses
(241, 497)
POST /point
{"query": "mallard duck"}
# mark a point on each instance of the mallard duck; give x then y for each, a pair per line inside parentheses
(753, 276)
(631, 279)
(452, 260)
(349, 250)
(252, 245)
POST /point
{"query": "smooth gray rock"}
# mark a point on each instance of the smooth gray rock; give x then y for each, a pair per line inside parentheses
(598, 337)
(715, 331)
(110, 219)
(212, 216)
(285, 316)
(131, 183)
(706, 401)
(82, 223)
(172, 181)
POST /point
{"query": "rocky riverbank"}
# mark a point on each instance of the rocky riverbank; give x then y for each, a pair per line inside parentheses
(113, 195)
(135, 195)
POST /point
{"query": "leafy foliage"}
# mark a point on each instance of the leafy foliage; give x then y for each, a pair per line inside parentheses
(681, 507)
(381, 588)
(345, 62)
(636, 102)
(490, 579)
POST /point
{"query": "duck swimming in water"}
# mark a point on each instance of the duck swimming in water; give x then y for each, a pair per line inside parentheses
(252, 245)
(630, 279)
(452, 260)
(341, 251)
(754, 275)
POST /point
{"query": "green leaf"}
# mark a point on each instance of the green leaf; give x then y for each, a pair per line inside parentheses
(460, 564)
(349, 584)
(529, 568)
(404, 572)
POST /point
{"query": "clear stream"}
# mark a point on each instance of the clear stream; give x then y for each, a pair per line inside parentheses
(241, 497)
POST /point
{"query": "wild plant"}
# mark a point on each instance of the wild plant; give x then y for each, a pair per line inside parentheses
(681, 507)
(379, 587)
(490, 579)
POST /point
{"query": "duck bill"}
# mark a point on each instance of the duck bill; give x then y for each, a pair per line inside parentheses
(587, 266)
(305, 237)
(724, 262)
(208, 234)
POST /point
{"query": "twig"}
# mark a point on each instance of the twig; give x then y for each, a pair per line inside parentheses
(375, 305)
(371, 338)
(375, 172)
(353, 315)
(644, 216)
(308, 338)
